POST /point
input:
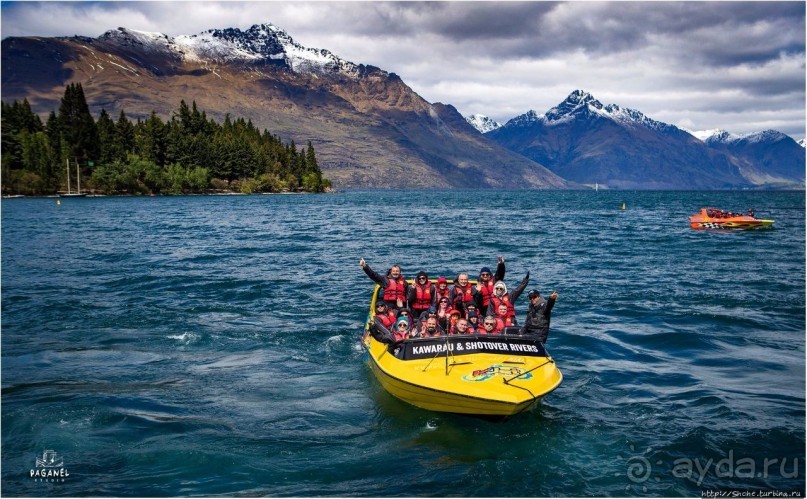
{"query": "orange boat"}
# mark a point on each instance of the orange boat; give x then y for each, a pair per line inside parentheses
(713, 218)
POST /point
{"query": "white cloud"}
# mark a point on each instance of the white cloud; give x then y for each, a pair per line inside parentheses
(731, 65)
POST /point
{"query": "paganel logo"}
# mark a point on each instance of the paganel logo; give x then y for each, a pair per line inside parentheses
(49, 468)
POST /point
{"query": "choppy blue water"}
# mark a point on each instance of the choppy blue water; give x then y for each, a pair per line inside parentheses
(209, 345)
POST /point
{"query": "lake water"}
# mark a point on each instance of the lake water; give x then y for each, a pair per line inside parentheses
(178, 346)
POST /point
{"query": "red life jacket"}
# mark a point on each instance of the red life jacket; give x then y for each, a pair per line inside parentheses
(511, 309)
(487, 291)
(396, 290)
(398, 336)
(462, 296)
(501, 323)
(388, 319)
(499, 326)
(444, 294)
(423, 297)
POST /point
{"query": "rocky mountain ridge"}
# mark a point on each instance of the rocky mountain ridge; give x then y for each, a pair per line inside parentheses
(587, 142)
(369, 128)
(482, 123)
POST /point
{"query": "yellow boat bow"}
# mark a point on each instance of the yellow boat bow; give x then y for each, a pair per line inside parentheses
(491, 375)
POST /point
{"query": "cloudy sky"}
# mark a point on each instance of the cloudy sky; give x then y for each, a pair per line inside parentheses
(739, 66)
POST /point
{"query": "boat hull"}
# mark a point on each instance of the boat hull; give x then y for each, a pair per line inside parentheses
(479, 383)
(445, 401)
(730, 224)
(712, 218)
(477, 374)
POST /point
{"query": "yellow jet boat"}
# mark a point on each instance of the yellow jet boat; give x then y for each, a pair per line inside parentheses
(478, 374)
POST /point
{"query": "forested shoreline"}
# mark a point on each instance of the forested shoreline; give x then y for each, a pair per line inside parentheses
(186, 154)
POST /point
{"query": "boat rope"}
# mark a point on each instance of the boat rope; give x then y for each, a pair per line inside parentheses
(430, 362)
(508, 380)
(534, 397)
(446, 337)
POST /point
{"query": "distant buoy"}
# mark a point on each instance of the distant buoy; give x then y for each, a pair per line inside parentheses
(623, 206)
(58, 202)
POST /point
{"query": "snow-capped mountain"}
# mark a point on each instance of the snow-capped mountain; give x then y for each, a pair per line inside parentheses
(369, 128)
(766, 157)
(587, 142)
(261, 42)
(581, 104)
(715, 134)
(720, 136)
(803, 142)
(482, 123)
(526, 119)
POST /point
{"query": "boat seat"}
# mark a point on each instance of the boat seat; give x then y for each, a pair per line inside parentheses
(512, 330)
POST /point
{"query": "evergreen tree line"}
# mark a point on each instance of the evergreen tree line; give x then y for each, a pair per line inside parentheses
(187, 154)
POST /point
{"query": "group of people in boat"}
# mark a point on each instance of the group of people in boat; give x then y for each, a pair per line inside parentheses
(715, 213)
(424, 308)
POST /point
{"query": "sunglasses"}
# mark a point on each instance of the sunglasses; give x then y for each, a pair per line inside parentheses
(485, 274)
(421, 278)
(401, 326)
(489, 324)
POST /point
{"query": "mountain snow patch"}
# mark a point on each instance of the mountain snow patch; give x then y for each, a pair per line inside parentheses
(482, 123)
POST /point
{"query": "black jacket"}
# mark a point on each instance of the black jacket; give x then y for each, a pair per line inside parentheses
(537, 320)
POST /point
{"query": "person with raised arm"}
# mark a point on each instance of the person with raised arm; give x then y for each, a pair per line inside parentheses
(501, 295)
(537, 320)
(393, 284)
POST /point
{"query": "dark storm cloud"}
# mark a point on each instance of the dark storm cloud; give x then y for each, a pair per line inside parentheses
(719, 33)
(702, 65)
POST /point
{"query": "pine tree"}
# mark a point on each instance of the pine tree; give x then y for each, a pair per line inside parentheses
(180, 155)
(125, 136)
(107, 135)
(76, 124)
(150, 140)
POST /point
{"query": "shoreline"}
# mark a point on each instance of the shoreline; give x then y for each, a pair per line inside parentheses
(57, 196)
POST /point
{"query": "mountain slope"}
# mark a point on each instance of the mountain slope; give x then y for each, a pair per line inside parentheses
(584, 141)
(587, 142)
(765, 158)
(369, 128)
